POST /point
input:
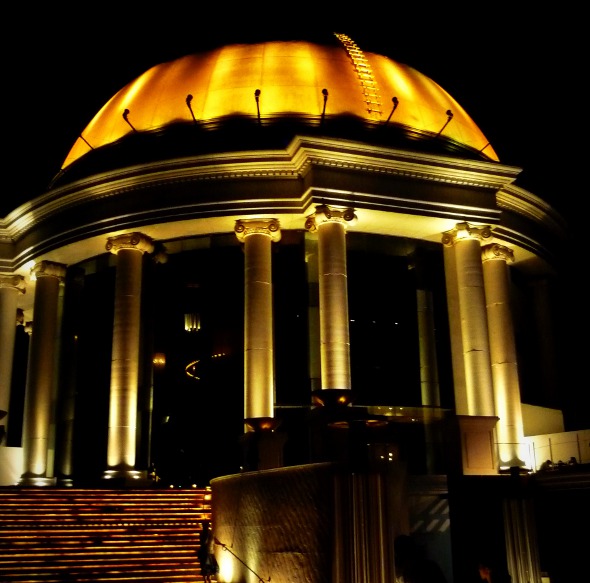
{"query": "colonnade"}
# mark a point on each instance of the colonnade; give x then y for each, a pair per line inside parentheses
(483, 346)
(486, 385)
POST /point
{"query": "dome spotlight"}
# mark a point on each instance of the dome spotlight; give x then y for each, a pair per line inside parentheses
(449, 118)
(325, 94)
(189, 99)
(257, 97)
(126, 118)
(395, 102)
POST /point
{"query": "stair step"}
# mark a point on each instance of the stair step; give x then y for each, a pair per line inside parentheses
(60, 535)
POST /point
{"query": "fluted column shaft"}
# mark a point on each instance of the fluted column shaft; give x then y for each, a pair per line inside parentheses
(40, 373)
(259, 375)
(64, 458)
(10, 287)
(330, 225)
(121, 449)
(475, 397)
(311, 262)
(429, 380)
(509, 430)
(456, 337)
(430, 391)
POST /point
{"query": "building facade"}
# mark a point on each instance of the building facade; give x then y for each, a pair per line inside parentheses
(294, 256)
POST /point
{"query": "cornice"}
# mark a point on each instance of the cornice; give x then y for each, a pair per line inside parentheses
(292, 163)
(407, 163)
(525, 204)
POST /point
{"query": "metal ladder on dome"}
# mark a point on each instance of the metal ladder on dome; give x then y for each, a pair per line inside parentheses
(365, 75)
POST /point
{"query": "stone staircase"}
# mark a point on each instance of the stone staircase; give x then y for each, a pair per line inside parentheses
(63, 535)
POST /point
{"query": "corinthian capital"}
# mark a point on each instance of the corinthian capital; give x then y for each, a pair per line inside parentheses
(137, 241)
(466, 231)
(496, 251)
(326, 214)
(12, 281)
(269, 227)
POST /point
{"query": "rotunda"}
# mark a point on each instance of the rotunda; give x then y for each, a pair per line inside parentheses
(270, 256)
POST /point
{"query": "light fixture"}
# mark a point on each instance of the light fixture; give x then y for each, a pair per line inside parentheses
(192, 322)
(449, 118)
(325, 94)
(159, 360)
(126, 118)
(395, 101)
(188, 100)
(257, 97)
(191, 369)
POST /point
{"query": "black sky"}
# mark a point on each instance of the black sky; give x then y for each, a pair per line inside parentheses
(517, 68)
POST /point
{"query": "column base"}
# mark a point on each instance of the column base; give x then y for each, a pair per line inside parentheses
(479, 455)
(262, 424)
(332, 397)
(37, 481)
(126, 478)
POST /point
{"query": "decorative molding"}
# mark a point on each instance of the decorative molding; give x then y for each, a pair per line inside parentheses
(327, 214)
(49, 269)
(496, 251)
(292, 163)
(270, 227)
(466, 231)
(136, 241)
(16, 282)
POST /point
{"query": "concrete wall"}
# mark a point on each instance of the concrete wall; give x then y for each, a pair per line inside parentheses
(317, 523)
(11, 465)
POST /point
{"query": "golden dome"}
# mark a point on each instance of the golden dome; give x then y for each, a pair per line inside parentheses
(270, 80)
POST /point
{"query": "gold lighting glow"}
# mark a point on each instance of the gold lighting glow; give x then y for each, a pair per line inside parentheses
(226, 566)
(191, 369)
(192, 322)
(291, 76)
(159, 360)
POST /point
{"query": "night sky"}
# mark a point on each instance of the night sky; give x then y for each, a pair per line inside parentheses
(517, 71)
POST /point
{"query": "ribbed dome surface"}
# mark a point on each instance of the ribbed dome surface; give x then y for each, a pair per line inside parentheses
(271, 80)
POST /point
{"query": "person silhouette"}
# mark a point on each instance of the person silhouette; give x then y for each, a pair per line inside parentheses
(206, 555)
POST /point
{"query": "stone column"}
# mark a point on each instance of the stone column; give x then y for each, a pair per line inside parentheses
(41, 373)
(10, 287)
(474, 397)
(259, 377)
(68, 369)
(330, 225)
(455, 334)
(468, 280)
(263, 450)
(429, 381)
(121, 448)
(509, 430)
(332, 400)
(428, 362)
(313, 313)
